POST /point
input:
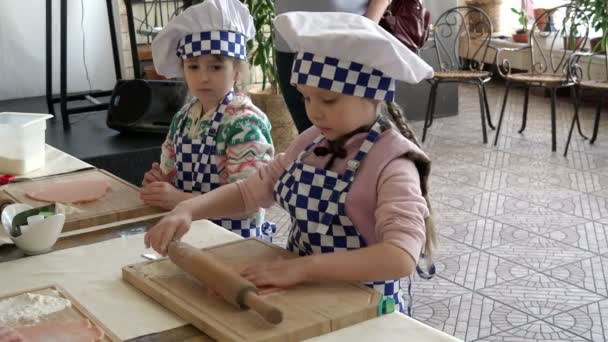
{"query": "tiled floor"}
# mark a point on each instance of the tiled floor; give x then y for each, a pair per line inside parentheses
(523, 253)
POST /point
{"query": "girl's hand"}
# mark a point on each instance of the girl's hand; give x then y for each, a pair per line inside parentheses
(161, 194)
(155, 174)
(171, 228)
(280, 273)
(10, 335)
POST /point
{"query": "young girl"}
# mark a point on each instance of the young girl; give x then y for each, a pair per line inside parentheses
(219, 136)
(355, 183)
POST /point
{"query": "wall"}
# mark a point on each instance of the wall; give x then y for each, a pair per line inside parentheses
(22, 47)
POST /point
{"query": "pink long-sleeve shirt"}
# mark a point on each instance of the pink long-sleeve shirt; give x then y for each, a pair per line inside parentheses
(384, 203)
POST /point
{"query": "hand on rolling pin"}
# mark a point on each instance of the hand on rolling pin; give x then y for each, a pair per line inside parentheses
(171, 228)
(10, 335)
(162, 195)
(155, 174)
(281, 273)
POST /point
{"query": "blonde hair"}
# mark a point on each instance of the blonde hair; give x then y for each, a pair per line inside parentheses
(393, 113)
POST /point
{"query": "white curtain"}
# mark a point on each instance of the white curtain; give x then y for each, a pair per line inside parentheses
(23, 42)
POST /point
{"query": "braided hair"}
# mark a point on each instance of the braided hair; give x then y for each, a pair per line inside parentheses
(394, 114)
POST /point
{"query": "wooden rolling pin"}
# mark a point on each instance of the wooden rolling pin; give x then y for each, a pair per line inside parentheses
(217, 276)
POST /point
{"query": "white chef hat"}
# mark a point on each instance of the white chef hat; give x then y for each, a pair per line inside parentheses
(348, 53)
(215, 27)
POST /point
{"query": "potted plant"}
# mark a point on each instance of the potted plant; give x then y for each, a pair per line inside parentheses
(572, 24)
(521, 35)
(266, 94)
(597, 10)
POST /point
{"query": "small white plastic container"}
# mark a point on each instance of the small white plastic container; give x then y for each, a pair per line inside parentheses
(22, 142)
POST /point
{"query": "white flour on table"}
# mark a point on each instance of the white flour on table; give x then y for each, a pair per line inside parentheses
(30, 308)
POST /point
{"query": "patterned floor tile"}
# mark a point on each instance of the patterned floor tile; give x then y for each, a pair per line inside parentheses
(592, 274)
(538, 192)
(526, 148)
(444, 186)
(603, 193)
(484, 204)
(601, 170)
(478, 270)
(600, 147)
(540, 295)
(463, 133)
(590, 321)
(586, 181)
(588, 206)
(447, 248)
(442, 162)
(538, 331)
(433, 290)
(539, 220)
(470, 316)
(484, 233)
(539, 253)
(437, 147)
(580, 161)
(495, 159)
(480, 176)
(517, 164)
(591, 236)
(464, 153)
(446, 215)
(574, 179)
(539, 170)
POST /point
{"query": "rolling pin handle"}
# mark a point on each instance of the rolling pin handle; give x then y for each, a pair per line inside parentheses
(268, 311)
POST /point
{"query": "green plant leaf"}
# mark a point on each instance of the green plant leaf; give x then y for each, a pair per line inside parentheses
(262, 44)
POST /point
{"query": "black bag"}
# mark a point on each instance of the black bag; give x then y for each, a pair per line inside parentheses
(408, 21)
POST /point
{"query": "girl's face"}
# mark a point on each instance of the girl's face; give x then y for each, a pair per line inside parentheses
(336, 114)
(210, 77)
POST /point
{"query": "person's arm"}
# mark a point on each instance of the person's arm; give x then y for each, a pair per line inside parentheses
(248, 144)
(229, 200)
(168, 150)
(381, 261)
(158, 189)
(376, 9)
(400, 229)
(243, 197)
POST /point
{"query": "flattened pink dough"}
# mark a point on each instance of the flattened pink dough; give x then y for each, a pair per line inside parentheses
(82, 191)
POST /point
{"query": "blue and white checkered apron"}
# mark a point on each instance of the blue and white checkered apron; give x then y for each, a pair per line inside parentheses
(196, 165)
(316, 198)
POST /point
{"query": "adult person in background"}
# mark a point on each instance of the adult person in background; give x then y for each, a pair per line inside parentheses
(373, 9)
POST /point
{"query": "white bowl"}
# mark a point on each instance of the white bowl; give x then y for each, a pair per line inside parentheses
(40, 237)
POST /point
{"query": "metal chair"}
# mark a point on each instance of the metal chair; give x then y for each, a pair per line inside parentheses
(598, 85)
(547, 70)
(462, 36)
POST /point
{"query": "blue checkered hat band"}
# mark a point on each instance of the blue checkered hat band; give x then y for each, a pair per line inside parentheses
(232, 44)
(344, 77)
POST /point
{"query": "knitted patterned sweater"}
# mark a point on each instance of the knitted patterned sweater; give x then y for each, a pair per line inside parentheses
(243, 142)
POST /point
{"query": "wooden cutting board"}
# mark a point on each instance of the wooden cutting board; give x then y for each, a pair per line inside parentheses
(121, 202)
(74, 312)
(309, 310)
